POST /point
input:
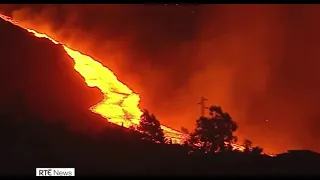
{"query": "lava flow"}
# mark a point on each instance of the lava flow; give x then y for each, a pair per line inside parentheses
(120, 104)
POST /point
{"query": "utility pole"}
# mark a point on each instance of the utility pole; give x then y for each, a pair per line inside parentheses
(203, 106)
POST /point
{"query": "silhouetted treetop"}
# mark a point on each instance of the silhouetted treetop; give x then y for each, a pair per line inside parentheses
(247, 145)
(150, 128)
(215, 133)
(248, 148)
(257, 150)
(184, 130)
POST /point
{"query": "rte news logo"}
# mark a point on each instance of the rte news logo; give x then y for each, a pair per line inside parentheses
(55, 172)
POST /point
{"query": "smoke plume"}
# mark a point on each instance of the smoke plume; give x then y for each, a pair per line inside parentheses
(259, 62)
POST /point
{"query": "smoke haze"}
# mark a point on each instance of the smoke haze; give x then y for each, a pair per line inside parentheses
(259, 62)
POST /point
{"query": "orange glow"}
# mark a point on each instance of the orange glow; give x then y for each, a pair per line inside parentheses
(120, 104)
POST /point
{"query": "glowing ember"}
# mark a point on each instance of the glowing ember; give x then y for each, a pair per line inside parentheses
(120, 104)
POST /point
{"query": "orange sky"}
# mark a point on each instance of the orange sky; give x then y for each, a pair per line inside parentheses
(258, 62)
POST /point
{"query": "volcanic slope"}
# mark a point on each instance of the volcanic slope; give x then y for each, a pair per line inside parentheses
(43, 74)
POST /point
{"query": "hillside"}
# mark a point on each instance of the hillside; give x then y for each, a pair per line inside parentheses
(44, 101)
(43, 73)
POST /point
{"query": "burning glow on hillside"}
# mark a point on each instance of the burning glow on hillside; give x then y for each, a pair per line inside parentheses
(120, 104)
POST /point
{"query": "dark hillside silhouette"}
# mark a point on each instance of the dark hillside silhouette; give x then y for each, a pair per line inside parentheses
(45, 122)
(44, 74)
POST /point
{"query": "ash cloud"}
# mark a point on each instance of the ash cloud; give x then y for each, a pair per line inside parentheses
(259, 62)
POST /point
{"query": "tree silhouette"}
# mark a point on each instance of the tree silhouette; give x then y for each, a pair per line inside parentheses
(214, 133)
(257, 150)
(184, 130)
(193, 142)
(150, 128)
(247, 145)
(248, 148)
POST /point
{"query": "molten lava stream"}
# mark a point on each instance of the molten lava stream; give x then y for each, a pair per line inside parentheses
(120, 104)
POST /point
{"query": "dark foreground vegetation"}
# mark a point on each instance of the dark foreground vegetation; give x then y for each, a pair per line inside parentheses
(45, 122)
(29, 142)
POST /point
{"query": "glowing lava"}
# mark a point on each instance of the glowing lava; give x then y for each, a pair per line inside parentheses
(120, 104)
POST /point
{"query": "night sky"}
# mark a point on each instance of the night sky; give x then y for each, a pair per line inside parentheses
(259, 62)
